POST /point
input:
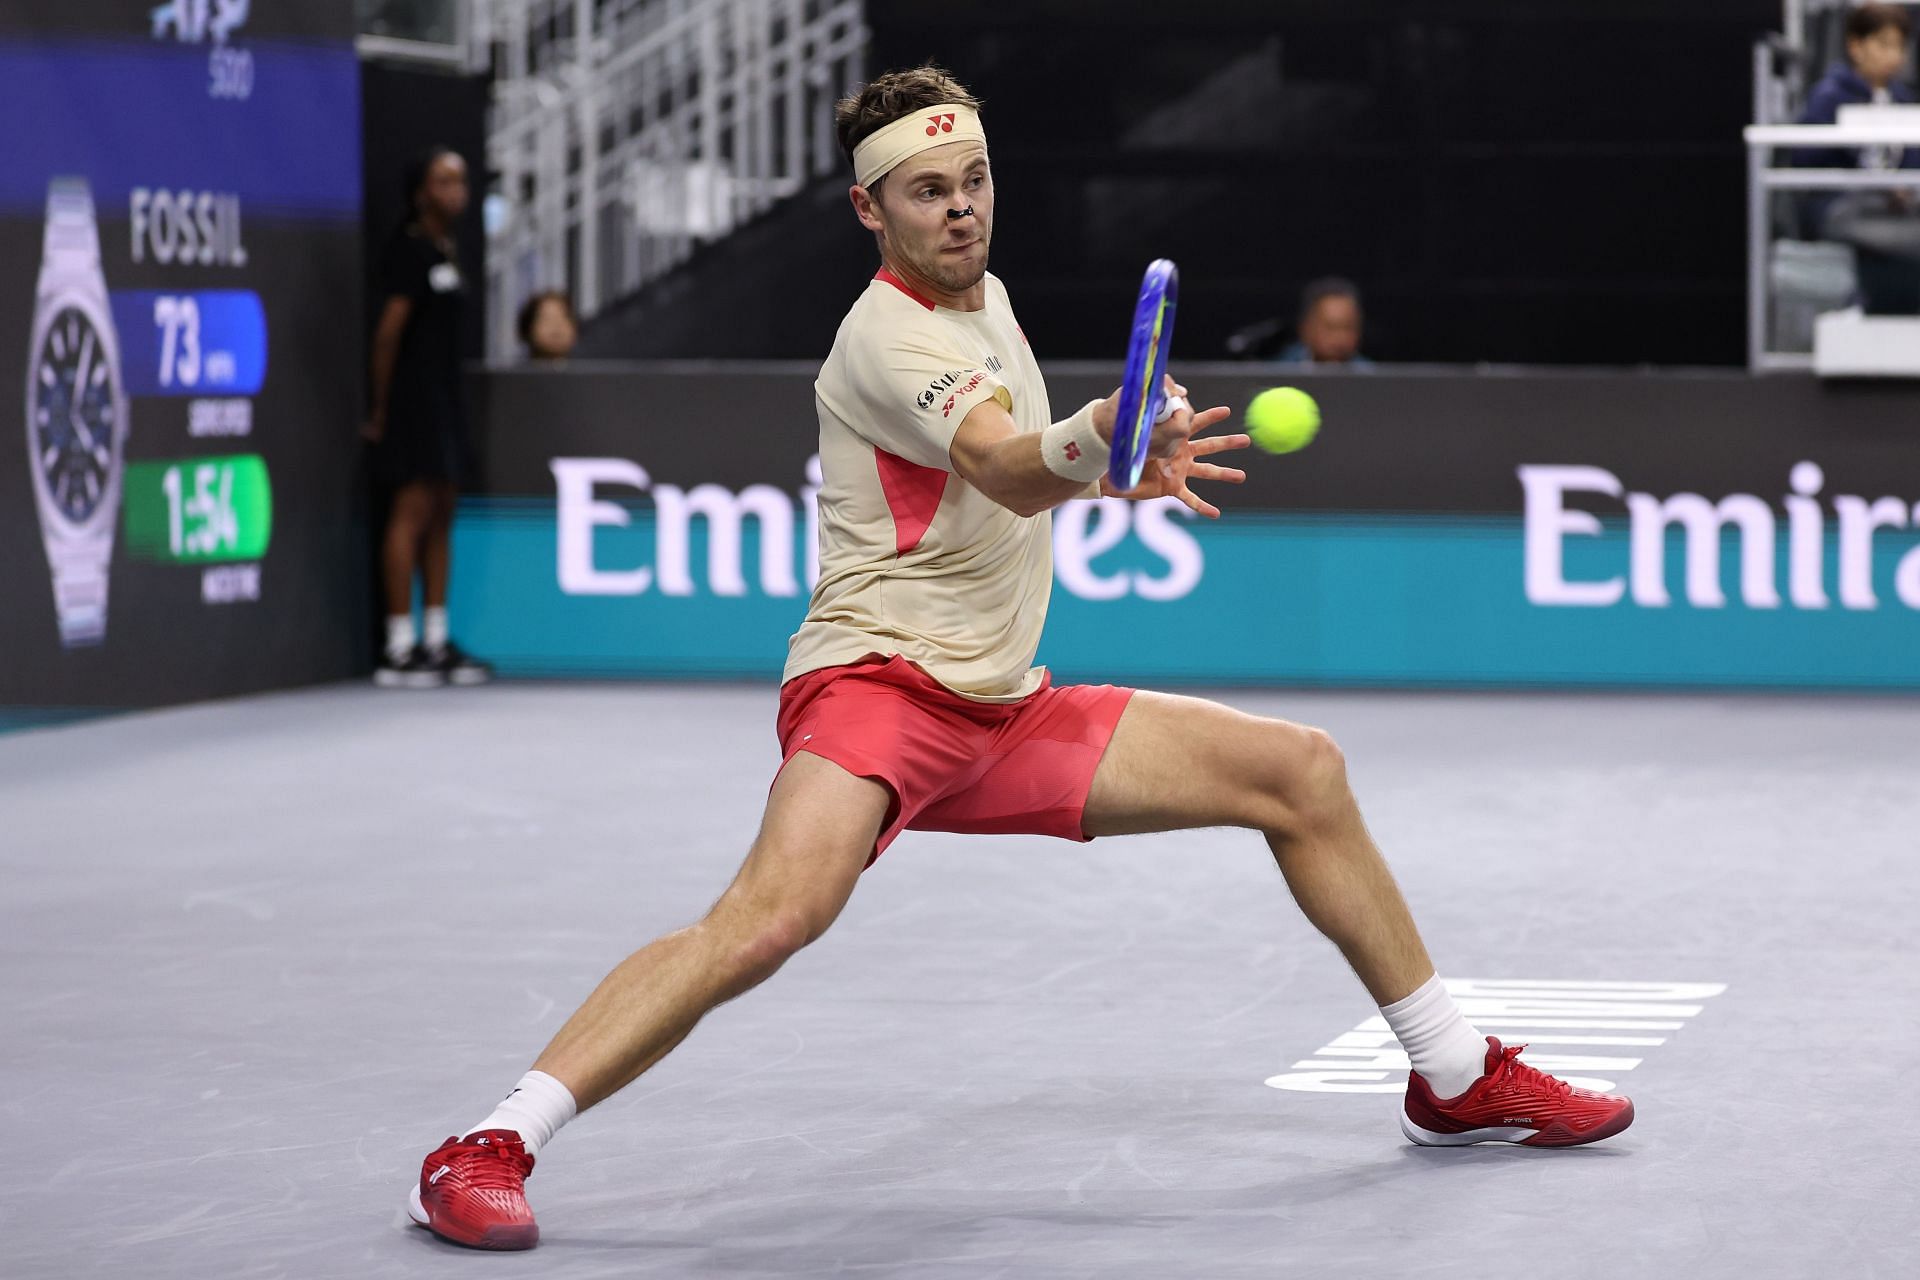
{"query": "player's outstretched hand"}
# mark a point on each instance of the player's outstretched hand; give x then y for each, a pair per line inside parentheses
(1175, 458)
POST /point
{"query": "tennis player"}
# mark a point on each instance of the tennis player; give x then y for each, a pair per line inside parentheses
(911, 701)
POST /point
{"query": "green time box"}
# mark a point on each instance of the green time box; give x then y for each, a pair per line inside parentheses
(199, 510)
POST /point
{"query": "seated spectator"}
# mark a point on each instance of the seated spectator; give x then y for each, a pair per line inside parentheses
(1330, 324)
(1881, 225)
(547, 326)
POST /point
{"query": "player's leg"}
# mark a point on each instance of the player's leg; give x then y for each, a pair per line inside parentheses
(819, 830)
(1176, 763)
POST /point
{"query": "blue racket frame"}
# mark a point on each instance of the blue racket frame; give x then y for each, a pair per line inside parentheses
(1143, 390)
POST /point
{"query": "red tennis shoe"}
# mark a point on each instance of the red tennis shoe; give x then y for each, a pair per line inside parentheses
(1512, 1102)
(472, 1192)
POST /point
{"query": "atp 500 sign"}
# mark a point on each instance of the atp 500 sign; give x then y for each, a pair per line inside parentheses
(589, 490)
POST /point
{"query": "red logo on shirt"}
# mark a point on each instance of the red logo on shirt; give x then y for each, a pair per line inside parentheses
(946, 410)
(926, 398)
(942, 123)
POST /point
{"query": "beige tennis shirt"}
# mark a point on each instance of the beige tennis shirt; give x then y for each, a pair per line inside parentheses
(913, 559)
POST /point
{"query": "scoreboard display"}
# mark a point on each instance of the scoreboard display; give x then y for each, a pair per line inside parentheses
(180, 348)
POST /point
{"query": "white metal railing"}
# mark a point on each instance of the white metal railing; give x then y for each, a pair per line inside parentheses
(437, 32)
(1777, 90)
(1764, 178)
(626, 133)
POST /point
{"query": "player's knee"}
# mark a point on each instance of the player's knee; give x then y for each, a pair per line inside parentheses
(1310, 791)
(770, 938)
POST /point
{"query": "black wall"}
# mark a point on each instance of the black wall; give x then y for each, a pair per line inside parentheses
(1509, 182)
(1557, 183)
(1405, 441)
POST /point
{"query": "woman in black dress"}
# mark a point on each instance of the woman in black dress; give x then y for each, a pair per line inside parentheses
(418, 423)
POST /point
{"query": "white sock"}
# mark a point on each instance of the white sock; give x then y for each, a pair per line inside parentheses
(399, 635)
(1445, 1048)
(535, 1110)
(434, 632)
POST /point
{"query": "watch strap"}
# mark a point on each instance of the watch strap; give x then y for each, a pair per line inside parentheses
(72, 237)
(80, 589)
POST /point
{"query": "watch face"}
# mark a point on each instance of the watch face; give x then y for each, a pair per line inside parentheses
(73, 410)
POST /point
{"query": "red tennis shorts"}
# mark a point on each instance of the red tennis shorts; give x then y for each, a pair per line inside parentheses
(978, 768)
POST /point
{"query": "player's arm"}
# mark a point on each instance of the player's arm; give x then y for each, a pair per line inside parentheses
(1011, 466)
(1030, 472)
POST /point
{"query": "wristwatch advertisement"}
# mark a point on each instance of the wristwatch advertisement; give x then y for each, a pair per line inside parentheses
(181, 503)
(76, 414)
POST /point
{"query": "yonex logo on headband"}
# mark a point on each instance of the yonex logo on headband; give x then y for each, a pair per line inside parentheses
(936, 124)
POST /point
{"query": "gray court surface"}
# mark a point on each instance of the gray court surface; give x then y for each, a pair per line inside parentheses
(260, 956)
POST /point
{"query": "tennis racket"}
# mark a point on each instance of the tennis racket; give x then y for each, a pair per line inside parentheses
(1143, 394)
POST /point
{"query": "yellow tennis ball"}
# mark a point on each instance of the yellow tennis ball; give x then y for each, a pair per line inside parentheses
(1283, 419)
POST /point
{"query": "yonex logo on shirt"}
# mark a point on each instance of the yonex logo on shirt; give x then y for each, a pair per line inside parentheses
(946, 410)
(926, 398)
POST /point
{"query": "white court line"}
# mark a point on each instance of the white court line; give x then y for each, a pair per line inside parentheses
(1380, 1039)
(1561, 1018)
(1378, 1023)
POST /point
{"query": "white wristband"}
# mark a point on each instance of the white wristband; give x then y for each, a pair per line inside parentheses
(1073, 450)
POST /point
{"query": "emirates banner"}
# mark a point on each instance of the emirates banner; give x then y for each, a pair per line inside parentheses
(1542, 529)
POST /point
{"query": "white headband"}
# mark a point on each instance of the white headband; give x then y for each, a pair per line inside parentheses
(907, 137)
